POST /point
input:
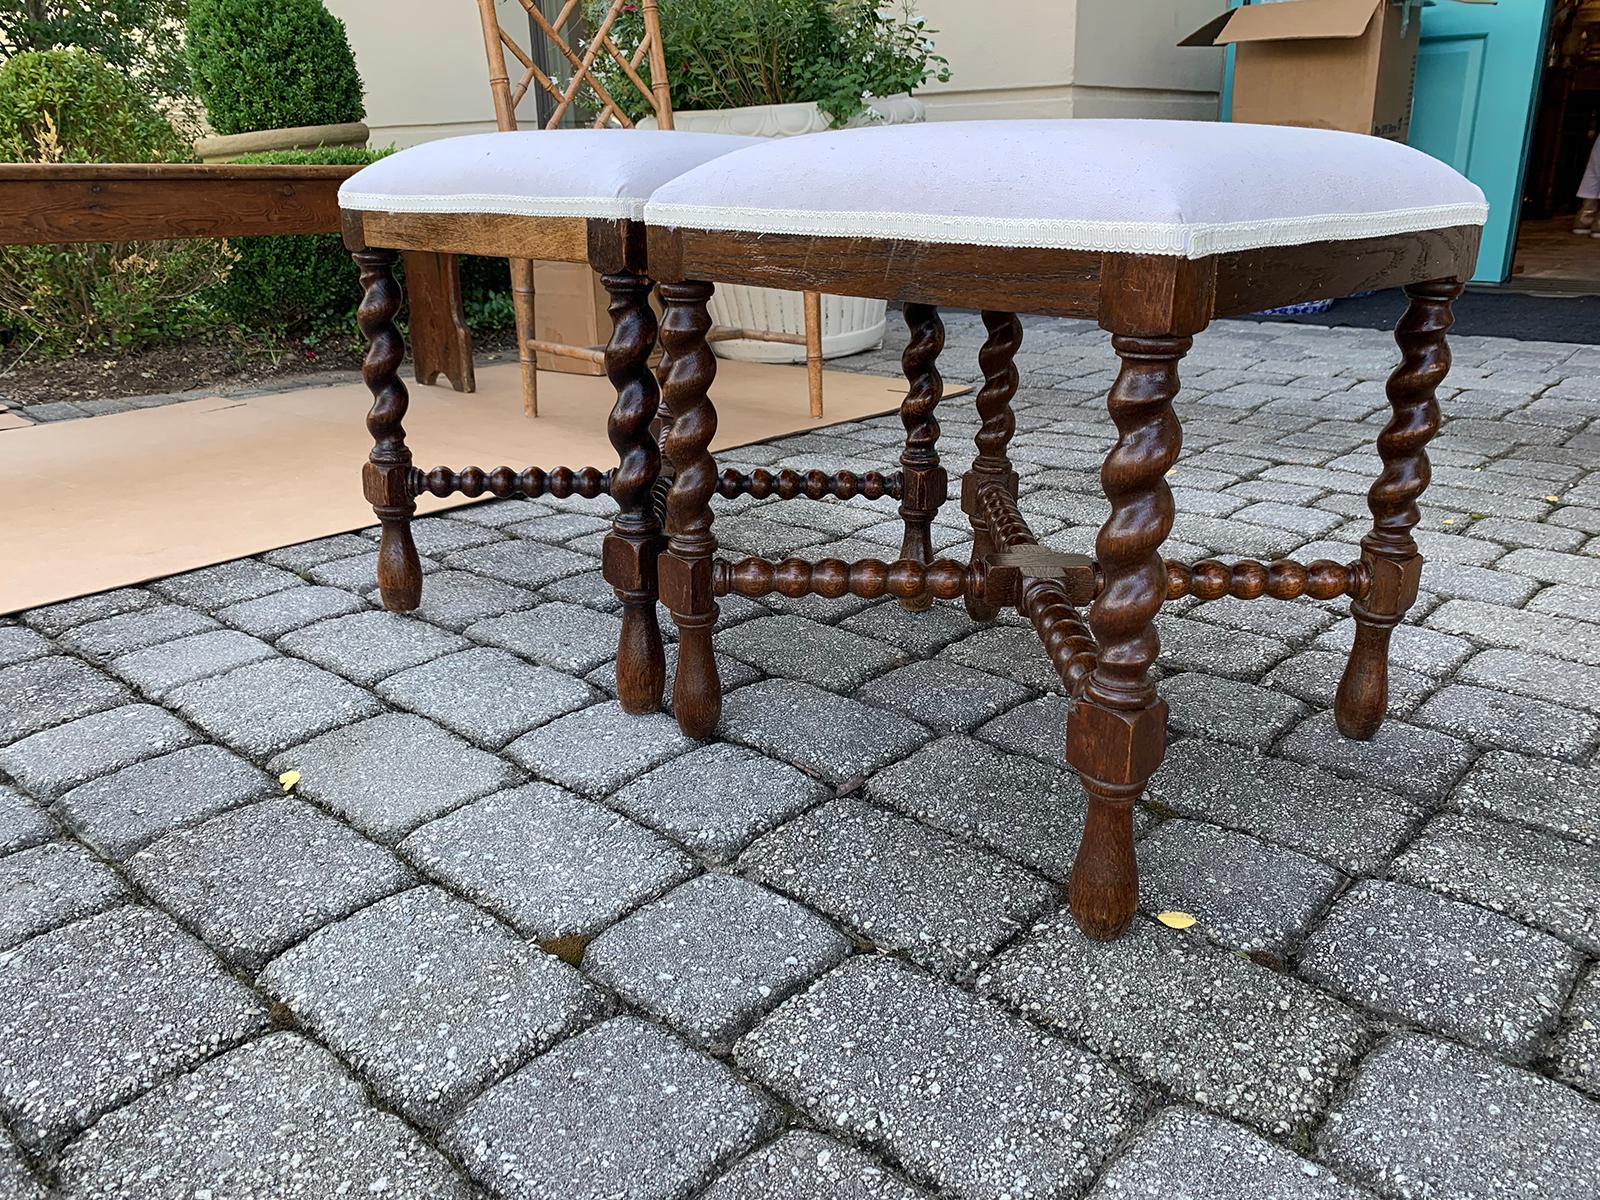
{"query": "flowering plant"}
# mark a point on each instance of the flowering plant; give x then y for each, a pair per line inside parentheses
(733, 53)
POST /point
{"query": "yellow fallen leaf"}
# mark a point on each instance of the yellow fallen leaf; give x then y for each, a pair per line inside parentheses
(1175, 920)
(288, 779)
(1449, 520)
(1553, 499)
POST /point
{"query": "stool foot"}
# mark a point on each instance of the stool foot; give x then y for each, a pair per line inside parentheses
(1104, 890)
(631, 549)
(1389, 551)
(685, 570)
(923, 485)
(997, 360)
(1363, 695)
(387, 477)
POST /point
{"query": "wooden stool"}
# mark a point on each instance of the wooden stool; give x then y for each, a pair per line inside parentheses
(563, 195)
(1153, 228)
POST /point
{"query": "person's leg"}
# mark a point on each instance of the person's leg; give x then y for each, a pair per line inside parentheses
(1589, 193)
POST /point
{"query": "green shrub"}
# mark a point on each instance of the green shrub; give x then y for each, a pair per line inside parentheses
(69, 106)
(138, 37)
(733, 53)
(272, 64)
(306, 286)
(303, 284)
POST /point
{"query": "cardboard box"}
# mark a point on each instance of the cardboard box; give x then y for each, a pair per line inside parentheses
(1322, 64)
(569, 306)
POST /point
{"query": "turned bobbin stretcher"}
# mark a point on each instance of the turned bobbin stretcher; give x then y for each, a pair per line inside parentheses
(1152, 228)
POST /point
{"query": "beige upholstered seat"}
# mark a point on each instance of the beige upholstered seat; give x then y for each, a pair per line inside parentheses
(537, 173)
(1185, 188)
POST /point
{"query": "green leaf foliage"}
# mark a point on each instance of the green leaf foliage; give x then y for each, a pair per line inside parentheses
(305, 285)
(272, 64)
(734, 53)
(140, 38)
(71, 106)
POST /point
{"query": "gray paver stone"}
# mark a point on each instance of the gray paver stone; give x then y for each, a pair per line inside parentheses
(135, 630)
(718, 798)
(1352, 826)
(430, 998)
(488, 696)
(389, 774)
(827, 736)
(527, 564)
(227, 583)
(944, 695)
(43, 692)
(1210, 1025)
(50, 885)
(303, 557)
(622, 1096)
(255, 880)
(1401, 758)
(946, 904)
(1006, 650)
(365, 647)
(59, 759)
(1493, 718)
(1534, 791)
(22, 823)
(1191, 645)
(55, 619)
(568, 637)
(796, 648)
(279, 1117)
(276, 614)
(1247, 894)
(1228, 710)
(1444, 965)
(965, 1096)
(714, 955)
(1429, 1119)
(125, 811)
(1023, 809)
(96, 1012)
(1540, 880)
(267, 706)
(552, 864)
(1576, 1054)
(156, 670)
(1210, 1159)
(802, 1165)
(459, 599)
(359, 572)
(598, 749)
(19, 643)
(1537, 675)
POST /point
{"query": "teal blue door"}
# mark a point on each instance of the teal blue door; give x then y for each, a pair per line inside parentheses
(1477, 83)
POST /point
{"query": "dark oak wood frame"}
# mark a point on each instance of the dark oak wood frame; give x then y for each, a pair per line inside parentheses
(1152, 306)
(58, 204)
(614, 249)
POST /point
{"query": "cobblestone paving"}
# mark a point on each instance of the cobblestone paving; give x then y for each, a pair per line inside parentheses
(504, 941)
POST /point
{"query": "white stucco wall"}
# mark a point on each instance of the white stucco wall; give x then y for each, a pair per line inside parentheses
(422, 61)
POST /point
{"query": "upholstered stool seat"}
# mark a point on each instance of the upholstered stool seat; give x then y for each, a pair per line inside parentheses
(1139, 187)
(533, 173)
(1152, 228)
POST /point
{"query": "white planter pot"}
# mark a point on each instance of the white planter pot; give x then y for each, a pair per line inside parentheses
(224, 148)
(850, 324)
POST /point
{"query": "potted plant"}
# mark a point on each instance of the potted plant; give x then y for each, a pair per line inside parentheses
(776, 68)
(276, 76)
